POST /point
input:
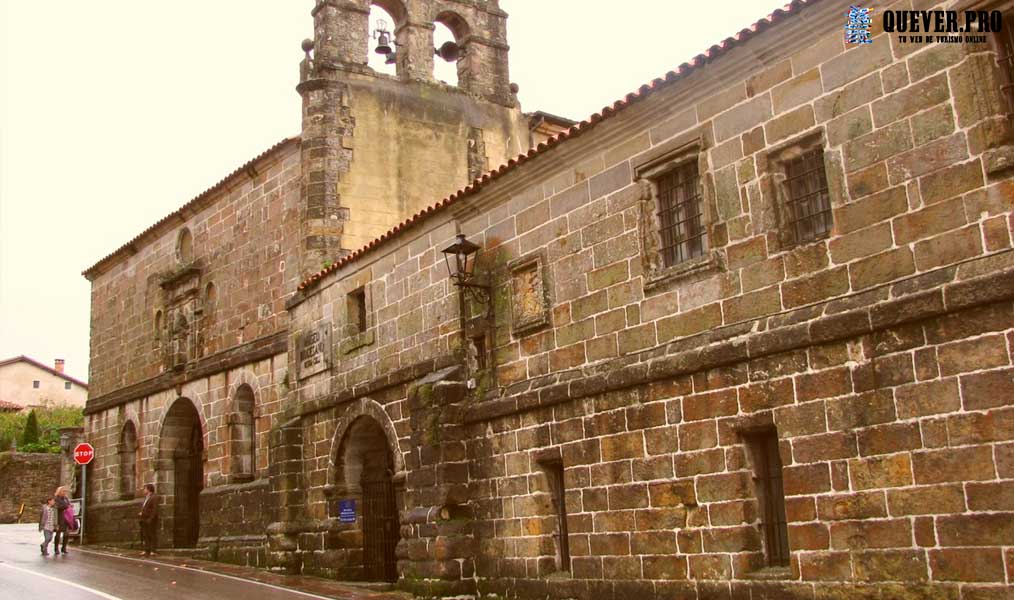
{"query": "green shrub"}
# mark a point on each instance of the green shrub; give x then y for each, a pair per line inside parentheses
(49, 421)
(30, 434)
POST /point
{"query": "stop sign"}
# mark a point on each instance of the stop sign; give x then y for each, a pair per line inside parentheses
(84, 453)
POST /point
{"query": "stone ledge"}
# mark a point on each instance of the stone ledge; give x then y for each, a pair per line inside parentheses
(738, 342)
(401, 376)
(258, 349)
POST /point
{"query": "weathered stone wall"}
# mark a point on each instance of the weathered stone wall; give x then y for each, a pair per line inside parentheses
(233, 511)
(880, 353)
(26, 479)
(244, 243)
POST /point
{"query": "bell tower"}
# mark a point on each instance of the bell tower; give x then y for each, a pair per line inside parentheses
(378, 148)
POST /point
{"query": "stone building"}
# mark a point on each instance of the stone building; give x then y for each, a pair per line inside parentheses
(745, 333)
(27, 383)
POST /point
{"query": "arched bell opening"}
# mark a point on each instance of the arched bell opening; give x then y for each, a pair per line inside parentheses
(386, 19)
(450, 38)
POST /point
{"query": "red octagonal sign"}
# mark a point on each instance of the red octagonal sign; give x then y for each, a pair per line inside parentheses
(84, 453)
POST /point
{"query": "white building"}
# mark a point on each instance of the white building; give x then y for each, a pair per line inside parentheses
(29, 383)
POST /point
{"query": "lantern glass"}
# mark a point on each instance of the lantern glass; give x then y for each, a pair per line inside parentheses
(460, 259)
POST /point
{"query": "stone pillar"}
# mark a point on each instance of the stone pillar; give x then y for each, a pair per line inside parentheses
(287, 497)
(436, 555)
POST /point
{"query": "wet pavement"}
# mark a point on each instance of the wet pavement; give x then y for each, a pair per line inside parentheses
(96, 573)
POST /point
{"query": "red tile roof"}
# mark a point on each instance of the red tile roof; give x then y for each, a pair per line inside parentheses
(180, 213)
(51, 370)
(6, 406)
(577, 130)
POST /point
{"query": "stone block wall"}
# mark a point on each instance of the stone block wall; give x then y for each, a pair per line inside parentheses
(897, 466)
(26, 479)
(876, 352)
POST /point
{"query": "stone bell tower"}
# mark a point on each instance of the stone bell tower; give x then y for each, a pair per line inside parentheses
(378, 148)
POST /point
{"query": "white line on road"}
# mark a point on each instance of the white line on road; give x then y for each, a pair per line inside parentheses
(63, 581)
(212, 573)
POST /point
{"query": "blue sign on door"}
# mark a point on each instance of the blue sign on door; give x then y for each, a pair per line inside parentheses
(347, 511)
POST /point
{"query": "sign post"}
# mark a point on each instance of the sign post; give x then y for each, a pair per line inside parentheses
(83, 454)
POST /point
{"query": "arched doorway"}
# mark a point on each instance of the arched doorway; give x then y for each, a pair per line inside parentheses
(366, 466)
(181, 450)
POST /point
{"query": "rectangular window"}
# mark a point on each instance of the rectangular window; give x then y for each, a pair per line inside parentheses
(357, 310)
(35, 384)
(479, 343)
(809, 204)
(1004, 41)
(66, 385)
(681, 221)
(554, 474)
(767, 466)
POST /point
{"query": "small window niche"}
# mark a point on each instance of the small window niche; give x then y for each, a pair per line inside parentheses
(67, 385)
(552, 468)
(185, 247)
(766, 461)
(676, 211)
(357, 330)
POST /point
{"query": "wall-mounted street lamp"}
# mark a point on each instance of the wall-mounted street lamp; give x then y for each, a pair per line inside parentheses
(460, 258)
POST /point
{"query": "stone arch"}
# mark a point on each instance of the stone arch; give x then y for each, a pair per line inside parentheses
(165, 413)
(461, 31)
(364, 407)
(181, 460)
(395, 8)
(237, 379)
(242, 433)
(129, 449)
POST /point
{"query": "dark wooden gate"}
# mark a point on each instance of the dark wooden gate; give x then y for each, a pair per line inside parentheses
(380, 530)
(189, 478)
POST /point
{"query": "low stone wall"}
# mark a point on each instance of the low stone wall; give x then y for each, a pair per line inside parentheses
(26, 479)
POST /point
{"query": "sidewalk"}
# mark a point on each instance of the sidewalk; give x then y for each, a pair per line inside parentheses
(299, 583)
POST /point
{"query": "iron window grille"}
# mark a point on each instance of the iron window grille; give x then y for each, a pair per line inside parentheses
(809, 203)
(771, 495)
(1005, 59)
(680, 215)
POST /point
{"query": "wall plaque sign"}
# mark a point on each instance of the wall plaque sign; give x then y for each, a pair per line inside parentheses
(347, 511)
(314, 351)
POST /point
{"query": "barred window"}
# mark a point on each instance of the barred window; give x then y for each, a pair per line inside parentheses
(809, 204)
(1004, 40)
(681, 223)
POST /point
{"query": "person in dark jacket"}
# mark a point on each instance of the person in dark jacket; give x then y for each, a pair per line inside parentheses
(61, 504)
(149, 520)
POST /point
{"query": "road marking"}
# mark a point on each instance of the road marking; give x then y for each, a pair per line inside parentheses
(63, 581)
(211, 573)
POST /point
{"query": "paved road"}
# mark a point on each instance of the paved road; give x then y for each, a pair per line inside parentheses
(82, 575)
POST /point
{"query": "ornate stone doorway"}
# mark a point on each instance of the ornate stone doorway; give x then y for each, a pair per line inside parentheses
(181, 450)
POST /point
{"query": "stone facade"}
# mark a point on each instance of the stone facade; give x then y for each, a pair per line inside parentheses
(774, 405)
(26, 479)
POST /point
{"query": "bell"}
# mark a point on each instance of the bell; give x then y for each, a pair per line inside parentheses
(392, 58)
(384, 43)
(449, 51)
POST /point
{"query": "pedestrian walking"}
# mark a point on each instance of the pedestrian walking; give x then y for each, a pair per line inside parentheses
(61, 503)
(47, 523)
(149, 520)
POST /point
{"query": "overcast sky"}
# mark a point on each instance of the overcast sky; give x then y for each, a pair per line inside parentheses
(113, 113)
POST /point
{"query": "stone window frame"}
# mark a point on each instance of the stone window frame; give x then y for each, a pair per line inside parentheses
(647, 171)
(352, 338)
(522, 327)
(777, 217)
